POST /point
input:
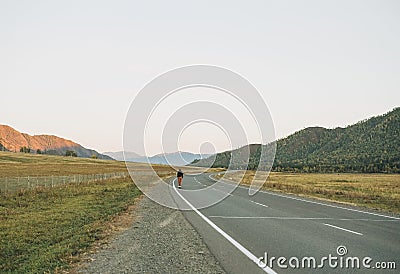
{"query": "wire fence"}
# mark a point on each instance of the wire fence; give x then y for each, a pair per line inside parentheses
(15, 184)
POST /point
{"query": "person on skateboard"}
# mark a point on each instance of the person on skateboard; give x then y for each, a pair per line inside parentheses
(179, 175)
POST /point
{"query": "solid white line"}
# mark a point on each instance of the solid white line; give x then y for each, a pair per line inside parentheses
(267, 217)
(341, 228)
(224, 234)
(313, 202)
(258, 203)
(296, 218)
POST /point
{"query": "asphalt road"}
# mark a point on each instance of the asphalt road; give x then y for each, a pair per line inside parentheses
(242, 230)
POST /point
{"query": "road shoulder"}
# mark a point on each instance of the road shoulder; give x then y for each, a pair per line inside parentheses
(160, 240)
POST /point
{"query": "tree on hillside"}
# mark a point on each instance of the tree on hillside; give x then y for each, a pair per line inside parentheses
(2, 148)
(70, 153)
(25, 149)
(195, 161)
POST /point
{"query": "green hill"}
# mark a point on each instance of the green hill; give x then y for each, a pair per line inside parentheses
(371, 145)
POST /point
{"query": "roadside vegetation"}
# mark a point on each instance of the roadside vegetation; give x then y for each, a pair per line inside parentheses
(21, 164)
(374, 191)
(45, 230)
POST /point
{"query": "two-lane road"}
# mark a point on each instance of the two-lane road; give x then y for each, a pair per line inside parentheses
(242, 230)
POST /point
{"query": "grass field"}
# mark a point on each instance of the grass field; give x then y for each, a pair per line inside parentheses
(375, 191)
(21, 164)
(44, 230)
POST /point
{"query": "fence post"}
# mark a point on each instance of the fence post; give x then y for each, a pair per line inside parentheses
(52, 181)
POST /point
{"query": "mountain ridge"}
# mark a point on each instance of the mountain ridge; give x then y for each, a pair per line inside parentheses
(13, 140)
(119, 155)
(179, 158)
(370, 145)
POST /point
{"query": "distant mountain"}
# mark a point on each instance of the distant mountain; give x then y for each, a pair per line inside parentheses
(371, 145)
(176, 158)
(119, 155)
(13, 140)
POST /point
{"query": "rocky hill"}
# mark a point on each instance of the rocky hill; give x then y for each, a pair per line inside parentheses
(13, 140)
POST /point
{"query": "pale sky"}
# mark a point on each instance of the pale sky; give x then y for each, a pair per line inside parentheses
(72, 68)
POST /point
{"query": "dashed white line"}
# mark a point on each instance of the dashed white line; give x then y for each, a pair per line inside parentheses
(344, 229)
(258, 203)
(230, 194)
(244, 250)
(312, 202)
(197, 181)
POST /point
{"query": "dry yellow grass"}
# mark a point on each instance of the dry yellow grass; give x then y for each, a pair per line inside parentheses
(376, 191)
(22, 164)
(42, 230)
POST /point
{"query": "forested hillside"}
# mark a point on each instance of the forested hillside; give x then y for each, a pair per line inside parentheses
(372, 145)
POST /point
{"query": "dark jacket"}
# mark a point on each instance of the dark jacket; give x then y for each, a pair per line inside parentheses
(179, 174)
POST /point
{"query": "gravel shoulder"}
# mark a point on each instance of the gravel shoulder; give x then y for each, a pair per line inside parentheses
(160, 240)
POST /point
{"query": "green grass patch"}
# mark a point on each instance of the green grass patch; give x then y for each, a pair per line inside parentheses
(43, 230)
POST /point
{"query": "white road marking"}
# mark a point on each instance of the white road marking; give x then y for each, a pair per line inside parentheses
(245, 251)
(267, 217)
(344, 229)
(296, 218)
(222, 191)
(197, 181)
(258, 203)
(313, 202)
